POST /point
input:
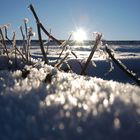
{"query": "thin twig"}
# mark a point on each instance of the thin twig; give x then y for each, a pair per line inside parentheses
(122, 66)
(20, 54)
(62, 60)
(28, 46)
(42, 27)
(48, 43)
(97, 41)
(14, 46)
(64, 46)
(23, 36)
(4, 44)
(26, 30)
(5, 28)
(6, 36)
(41, 43)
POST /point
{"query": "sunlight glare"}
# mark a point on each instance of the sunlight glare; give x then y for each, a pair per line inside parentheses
(80, 35)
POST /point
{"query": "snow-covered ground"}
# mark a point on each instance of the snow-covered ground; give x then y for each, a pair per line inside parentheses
(43, 103)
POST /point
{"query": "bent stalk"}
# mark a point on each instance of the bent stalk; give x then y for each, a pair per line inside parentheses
(122, 66)
(97, 41)
(42, 27)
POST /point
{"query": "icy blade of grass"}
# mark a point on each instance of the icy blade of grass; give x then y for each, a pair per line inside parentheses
(23, 36)
(97, 41)
(27, 44)
(6, 36)
(4, 44)
(111, 67)
(62, 60)
(63, 45)
(14, 46)
(6, 32)
(122, 66)
(25, 25)
(28, 47)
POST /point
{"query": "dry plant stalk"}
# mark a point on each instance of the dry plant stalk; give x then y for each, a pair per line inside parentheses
(23, 37)
(63, 47)
(97, 41)
(26, 29)
(14, 46)
(62, 60)
(48, 42)
(28, 47)
(42, 27)
(21, 54)
(3, 42)
(122, 66)
(21, 30)
(6, 36)
(41, 44)
(39, 33)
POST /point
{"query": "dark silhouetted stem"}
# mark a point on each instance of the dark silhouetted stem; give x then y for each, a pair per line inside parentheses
(23, 36)
(26, 30)
(42, 27)
(14, 46)
(62, 60)
(122, 66)
(48, 42)
(41, 44)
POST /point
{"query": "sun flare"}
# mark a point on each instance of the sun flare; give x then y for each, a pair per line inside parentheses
(80, 35)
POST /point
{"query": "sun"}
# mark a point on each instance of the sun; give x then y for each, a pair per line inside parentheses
(80, 35)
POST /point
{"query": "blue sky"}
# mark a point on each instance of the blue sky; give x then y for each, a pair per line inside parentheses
(116, 19)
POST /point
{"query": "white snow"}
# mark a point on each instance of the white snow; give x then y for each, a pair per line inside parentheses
(49, 104)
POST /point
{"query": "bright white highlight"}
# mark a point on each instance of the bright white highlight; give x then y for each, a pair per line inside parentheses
(80, 35)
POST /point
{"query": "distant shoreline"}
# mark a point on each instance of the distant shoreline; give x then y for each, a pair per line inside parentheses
(86, 42)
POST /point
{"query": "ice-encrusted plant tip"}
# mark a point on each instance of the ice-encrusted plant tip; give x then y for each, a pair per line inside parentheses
(30, 32)
(26, 20)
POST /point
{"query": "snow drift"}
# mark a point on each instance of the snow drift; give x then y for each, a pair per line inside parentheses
(48, 104)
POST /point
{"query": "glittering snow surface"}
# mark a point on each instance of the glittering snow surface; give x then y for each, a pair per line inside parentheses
(48, 104)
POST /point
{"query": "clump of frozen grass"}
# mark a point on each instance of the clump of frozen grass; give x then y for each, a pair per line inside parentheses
(12, 50)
